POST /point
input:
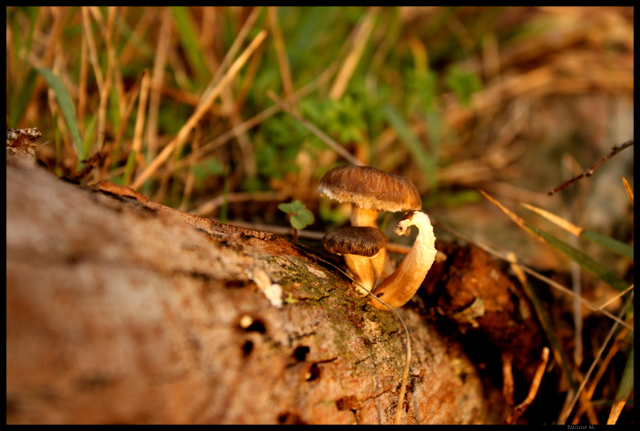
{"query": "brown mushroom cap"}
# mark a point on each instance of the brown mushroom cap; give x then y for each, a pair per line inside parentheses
(370, 188)
(358, 240)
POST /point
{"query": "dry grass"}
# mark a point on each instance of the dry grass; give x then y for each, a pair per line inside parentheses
(510, 100)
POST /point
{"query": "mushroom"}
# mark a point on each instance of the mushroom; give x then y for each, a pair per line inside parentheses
(359, 245)
(370, 190)
(398, 288)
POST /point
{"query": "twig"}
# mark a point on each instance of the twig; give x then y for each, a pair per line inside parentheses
(92, 162)
(313, 129)
(157, 76)
(139, 127)
(257, 119)
(405, 375)
(565, 415)
(586, 406)
(533, 390)
(619, 295)
(614, 150)
(248, 159)
(507, 378)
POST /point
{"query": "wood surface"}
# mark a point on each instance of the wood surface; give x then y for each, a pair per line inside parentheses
(118, 313)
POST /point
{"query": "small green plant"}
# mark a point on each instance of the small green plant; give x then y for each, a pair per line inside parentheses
(463, 83)
(290, 299)
(300, 216)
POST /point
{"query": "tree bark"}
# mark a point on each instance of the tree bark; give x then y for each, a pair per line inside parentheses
(118, 313)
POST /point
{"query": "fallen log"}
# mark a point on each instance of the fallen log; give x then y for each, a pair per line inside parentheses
(122, 312)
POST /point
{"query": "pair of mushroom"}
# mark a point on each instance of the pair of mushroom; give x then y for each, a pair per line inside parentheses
(362, 244)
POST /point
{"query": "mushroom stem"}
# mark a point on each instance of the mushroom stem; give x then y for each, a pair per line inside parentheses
(360, 267)
(364, 217)
(369, 217)
(397, 289)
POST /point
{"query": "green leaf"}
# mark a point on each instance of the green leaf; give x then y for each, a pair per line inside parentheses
(300, 216)
(66, 106)
(303, 219)
(463, 83)
(291, 208)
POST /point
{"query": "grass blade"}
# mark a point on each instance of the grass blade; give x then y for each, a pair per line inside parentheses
(605, 241)
(22, 99)
(66, 106)
(610, 243)
(627, 187)
(189, 39)
(575, 255)
(624, 390)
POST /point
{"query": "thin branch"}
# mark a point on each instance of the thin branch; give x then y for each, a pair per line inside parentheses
(533, 389)
(563, 418)
(619, 295)
(507, 378)
(614, 150)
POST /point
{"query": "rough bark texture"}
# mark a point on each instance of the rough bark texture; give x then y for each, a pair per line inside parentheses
(120, 314)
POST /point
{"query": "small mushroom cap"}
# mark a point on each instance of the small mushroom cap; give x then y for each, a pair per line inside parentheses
(359, 240)
(370, 188)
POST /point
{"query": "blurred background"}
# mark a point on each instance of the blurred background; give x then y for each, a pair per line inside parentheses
(513, 101)
(510, 100)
